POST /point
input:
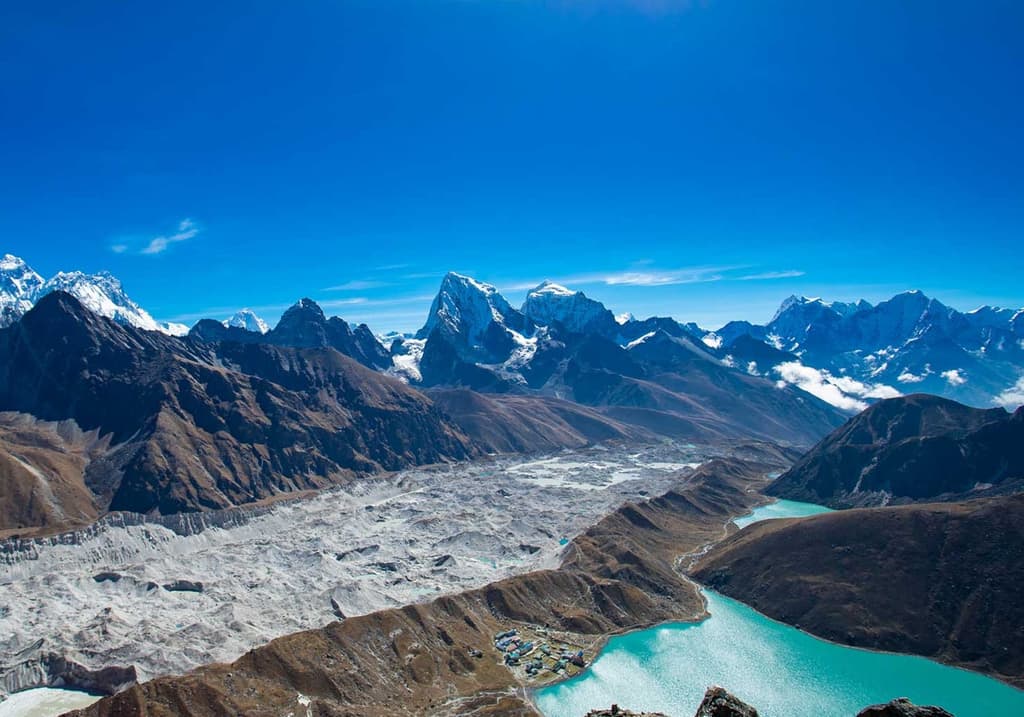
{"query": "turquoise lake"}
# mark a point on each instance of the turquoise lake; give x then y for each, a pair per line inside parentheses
(781, 509)
(779, 670)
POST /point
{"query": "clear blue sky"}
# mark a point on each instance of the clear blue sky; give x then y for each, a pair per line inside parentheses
(278, 149)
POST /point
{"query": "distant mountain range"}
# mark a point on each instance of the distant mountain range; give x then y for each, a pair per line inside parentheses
(21, 287)
(847, 354)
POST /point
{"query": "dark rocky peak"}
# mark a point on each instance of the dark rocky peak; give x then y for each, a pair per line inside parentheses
(303, 325)
(912, 448)
(61, 323)
(634, 329)
(210, 331)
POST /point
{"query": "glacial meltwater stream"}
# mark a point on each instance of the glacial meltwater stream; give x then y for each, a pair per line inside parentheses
(780, 670)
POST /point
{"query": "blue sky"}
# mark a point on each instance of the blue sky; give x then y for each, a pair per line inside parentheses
(699, 159)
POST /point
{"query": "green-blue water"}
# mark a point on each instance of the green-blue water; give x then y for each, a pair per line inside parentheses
(781, 509)
(778, 669)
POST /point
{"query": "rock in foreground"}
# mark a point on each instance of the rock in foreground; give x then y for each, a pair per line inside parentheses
(617, 711)
(902, 707)
(718, 702)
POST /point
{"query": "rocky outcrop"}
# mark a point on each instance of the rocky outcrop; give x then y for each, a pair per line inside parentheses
(911, 449)
(303, 325)
(195, 426)
(43, 467)
(939, 580)
(617, 576)
(902, 707)
(617, 711)
(719, 702)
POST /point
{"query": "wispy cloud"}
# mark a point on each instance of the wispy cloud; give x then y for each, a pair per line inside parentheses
(768, 275)
(632, 277)
(187, 229)
(152, 246)
(358, 285)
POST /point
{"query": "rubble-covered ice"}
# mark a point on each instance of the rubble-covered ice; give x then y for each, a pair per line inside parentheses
(147, 596)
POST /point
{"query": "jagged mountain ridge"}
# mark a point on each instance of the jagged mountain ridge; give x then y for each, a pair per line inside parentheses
(907, 343)
(911, 449)
(654, 374)
(303, 325)
(21, 287)
(195, 425)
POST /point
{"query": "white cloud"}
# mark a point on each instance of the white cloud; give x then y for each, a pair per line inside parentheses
(1012, 397)
(954, 377)
(752, 368)
(841, 391)
(712, 341)
(119, 248)
(767, 275)
(909, 377)
(157, 245)
(358, 285)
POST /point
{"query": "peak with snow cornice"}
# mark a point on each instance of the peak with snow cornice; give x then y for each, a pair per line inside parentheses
(549, 303)
(248, 320)
(18, 285)
(102, 294)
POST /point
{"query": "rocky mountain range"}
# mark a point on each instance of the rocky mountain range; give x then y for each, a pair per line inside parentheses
(235, 411)
(911, 449)
(187, 424)
(654, 373)
(21, 287)
(847, 354)
(857, 352)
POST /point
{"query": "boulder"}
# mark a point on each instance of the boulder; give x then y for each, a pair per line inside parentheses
(718, 702)
(902, 707)
(617, 711)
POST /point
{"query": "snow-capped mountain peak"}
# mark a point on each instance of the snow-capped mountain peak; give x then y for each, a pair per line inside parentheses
(18, 285)
(549, 287)
(21, 287)
(103, 294)
(248, 320)
(464, 305)
(550, 302)
(476, 319)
